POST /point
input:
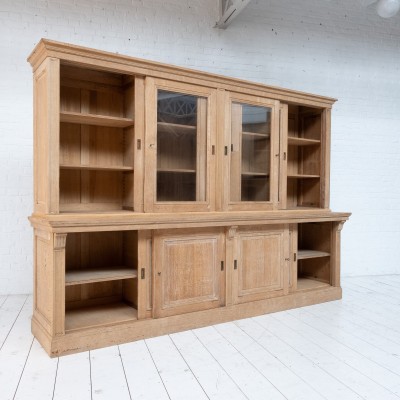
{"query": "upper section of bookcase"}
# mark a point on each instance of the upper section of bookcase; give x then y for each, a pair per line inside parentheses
(114, 62)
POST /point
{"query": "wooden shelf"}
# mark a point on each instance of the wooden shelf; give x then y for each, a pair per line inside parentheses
(304, 254)
(97, 167)
(92, 119)
(248, 174)
(103, 315)
(296, 141)
(303, 176)
(253, 135)
(177, 170)
(305, 208)
(79, 277)
(310, 284)
(168, 127)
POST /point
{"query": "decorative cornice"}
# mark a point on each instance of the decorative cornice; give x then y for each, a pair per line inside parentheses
(77, 54)
(129, 220)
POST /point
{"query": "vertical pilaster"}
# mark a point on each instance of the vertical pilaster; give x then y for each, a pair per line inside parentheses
(335, 253)
(59, 242)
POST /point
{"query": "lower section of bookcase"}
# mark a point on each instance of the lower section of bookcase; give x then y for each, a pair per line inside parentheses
(131, 329)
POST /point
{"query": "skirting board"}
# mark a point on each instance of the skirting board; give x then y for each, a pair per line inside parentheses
(93, 338)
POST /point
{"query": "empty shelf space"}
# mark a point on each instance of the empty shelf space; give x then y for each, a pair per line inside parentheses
(109, 314)
(304, 254)
(302, 176)
(310, 284)
(97, 167)
(175, 128)
(249, 173)
(253, 135)
(177, 170)
(296, 141)
(78, 277)
(92, 119)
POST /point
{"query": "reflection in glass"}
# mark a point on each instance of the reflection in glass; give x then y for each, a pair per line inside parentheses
(181, 147)
(250, 153)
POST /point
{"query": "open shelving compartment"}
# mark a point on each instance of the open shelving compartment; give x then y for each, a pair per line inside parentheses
(100, 279)
(313, 255)
(304, 157)
(96, 140)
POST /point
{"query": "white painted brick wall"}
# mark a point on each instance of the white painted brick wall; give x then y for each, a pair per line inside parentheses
(337, 48)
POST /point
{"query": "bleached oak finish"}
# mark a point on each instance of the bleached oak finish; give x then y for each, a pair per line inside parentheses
(189, 271)
(98, 275)
(168, 199)
(260, 264)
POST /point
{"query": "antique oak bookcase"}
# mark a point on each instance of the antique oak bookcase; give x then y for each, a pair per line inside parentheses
(167, 199)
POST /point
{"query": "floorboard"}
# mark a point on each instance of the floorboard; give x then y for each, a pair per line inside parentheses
(253, 384)
(15, 351)
(215, 381)
(9, 312)
(261, 330)
(39, 375)
(281, 376)
(73, 380)
(348, 349)
(3, 298)
(346, 373)
(142, 376)
(178, 378)
(106, 385)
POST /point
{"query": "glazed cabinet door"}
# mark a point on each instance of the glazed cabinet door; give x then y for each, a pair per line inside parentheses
(189, 271)
(180, 147)
(261, 264)
(251, 153)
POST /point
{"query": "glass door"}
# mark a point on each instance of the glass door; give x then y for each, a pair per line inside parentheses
(180, 149)
(253, 153)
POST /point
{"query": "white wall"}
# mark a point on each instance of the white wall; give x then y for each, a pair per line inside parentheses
(336, 48)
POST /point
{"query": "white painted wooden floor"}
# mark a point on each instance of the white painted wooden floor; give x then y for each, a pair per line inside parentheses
(347, 349)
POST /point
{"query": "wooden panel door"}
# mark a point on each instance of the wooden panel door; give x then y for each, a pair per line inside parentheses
(180, 147)
(189, 271)
(261, 266)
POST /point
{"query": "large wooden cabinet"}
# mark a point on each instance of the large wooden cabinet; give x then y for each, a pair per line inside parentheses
(167, 199)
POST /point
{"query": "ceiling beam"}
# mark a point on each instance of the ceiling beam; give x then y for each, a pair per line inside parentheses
(229, 10)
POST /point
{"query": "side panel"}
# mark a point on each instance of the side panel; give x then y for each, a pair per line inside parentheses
(46, 136)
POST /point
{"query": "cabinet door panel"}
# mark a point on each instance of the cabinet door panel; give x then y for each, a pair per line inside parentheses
(180, 165)
(253, 147)
(261, 265)
(188, 274)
